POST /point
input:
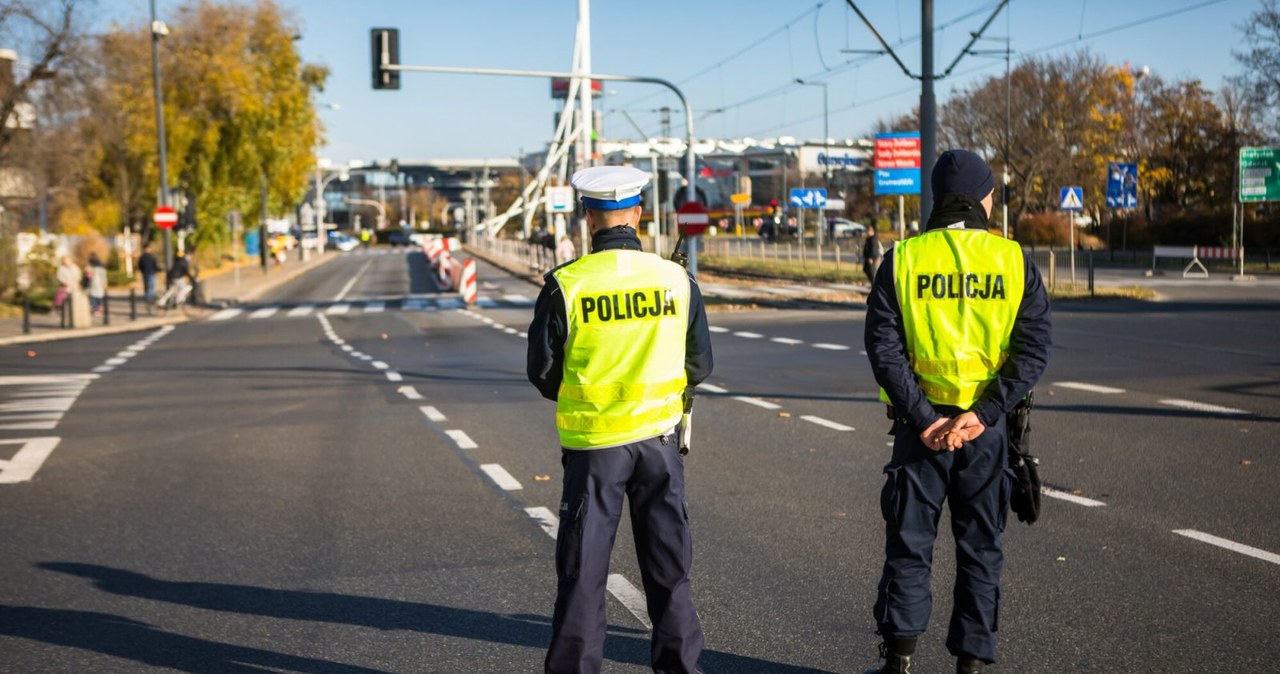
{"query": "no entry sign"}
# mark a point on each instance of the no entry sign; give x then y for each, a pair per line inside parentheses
(692, 218)
(165, 217)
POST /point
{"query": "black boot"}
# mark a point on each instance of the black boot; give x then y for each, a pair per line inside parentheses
(897, 652)
(968, 665)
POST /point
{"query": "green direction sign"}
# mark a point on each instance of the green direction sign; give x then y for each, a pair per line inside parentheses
(1259, 174)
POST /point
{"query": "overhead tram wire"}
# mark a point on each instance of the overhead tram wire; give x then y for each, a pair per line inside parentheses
(993, 64)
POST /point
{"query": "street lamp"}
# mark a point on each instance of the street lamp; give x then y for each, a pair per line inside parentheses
(826, 149)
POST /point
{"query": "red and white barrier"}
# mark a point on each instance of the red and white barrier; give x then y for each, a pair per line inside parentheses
(444, 271)
(1215, 253)
(467, 282)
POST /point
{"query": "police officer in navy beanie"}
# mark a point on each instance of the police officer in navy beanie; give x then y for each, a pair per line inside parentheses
(957, 332)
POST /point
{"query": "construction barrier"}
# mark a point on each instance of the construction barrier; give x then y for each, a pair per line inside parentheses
(1195, 254)
(467, 282)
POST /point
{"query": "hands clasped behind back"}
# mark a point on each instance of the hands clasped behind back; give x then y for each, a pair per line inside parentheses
(950, 433)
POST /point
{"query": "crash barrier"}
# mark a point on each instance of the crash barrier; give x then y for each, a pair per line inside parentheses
(1196, 255)
(467, 282)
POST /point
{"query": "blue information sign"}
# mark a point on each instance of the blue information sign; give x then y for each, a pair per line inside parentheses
(815, 197)
(1071, 199)
(1122, 185)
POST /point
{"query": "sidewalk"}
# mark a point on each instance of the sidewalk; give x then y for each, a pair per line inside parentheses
(220, 290)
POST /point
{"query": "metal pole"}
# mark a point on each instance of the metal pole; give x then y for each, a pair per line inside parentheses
(164, 171)
(262, 225)
(1008, 86)
(26, 314)
(928, 111)
(1071, 241)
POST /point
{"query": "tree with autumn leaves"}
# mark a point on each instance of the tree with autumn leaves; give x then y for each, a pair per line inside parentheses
(238, 106)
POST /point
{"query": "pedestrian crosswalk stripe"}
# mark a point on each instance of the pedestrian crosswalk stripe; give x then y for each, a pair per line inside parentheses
(338, 309)
(301, 310)
(226, 314)
(264, 312)
(374, 307)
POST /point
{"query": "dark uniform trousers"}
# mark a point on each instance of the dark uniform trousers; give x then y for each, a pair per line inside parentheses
(650, 473)
(975, 479)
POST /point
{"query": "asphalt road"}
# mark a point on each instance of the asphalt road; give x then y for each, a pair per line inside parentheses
(352, 475)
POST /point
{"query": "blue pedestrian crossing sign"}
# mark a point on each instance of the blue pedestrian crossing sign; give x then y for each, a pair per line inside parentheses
(808, 197)
(1072, 199)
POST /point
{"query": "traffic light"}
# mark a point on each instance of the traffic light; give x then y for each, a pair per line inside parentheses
(385, 43)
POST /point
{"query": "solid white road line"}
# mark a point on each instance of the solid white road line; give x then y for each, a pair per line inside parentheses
(545, 519)
(352, 282)
(748, 335)
(380, 365)
(301, 310)
(264, 312)
(829, 424)
(1201, 407)
(712, 388)
(464, 441)
(1229, 545)
(338, 309)
(716, 328)
(786, 340)
(501, 477)
(831, 347)
(226, 314)
(1092, 388)
(410, 392)
(757, 402)
(392, 375)
(434, 414)
(374, 307)
(631, 598)
(1064, 496)
(27, 460)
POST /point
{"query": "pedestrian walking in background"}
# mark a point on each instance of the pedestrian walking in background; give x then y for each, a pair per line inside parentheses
(97, 275)
(74, 302)
(872, 253)
(565, 250)
(957, 332)
(148, 267)
(617, 337)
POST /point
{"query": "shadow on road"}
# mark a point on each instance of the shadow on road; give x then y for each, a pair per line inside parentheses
(420, 277)
(125, 638)
(375, 612)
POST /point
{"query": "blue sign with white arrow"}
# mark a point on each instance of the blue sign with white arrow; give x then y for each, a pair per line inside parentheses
(1122, 185)
(815, 197)
(1071, 199)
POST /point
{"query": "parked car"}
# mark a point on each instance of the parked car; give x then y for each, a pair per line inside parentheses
(343, 242)
(844, 227)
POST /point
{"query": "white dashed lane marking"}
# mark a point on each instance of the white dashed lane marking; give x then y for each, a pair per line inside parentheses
(338, 309)
(1072, 498)
(748, 335)
(501, 477)
(226, 314)
(301, 310)
(545, 519)
(711, 388)
(392, 375)
(757, 402)
(460, 437)
(1229, 545)
(410, 392)
(1201, 407)
(831, 347)
(716, 328)
(631, 598)
(787, 340)
(380, 365)
(265, 312)
(824, 422)
(434, 415)
(1092, 388)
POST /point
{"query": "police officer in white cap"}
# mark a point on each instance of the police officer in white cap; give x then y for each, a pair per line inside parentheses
(617, 336)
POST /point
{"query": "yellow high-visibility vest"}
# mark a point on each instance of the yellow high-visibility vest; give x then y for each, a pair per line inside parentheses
(959, 291)
(628, 314)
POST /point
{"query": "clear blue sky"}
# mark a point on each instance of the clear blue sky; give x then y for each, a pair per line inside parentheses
(453, 116)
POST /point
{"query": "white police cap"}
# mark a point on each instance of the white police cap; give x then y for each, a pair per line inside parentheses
(609, 188)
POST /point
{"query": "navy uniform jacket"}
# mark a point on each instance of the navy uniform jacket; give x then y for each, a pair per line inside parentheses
(550, 325)
(886, 342)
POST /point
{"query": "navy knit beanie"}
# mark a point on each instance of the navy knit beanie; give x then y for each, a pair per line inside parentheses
(962, 172)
